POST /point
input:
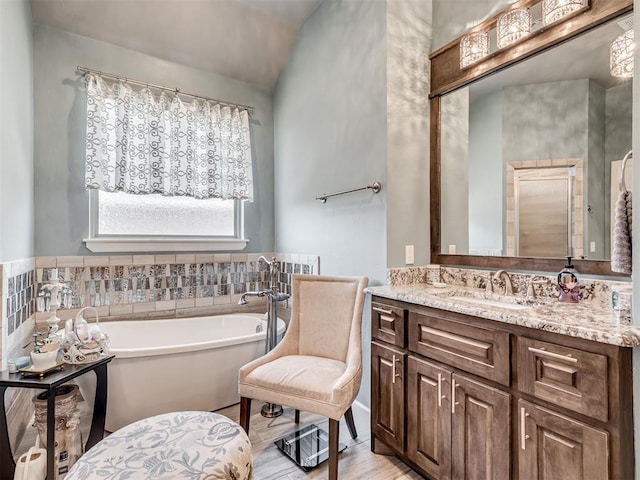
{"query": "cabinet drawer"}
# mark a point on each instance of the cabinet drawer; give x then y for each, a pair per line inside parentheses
(478, 350)
(568, 377)
(388, 323)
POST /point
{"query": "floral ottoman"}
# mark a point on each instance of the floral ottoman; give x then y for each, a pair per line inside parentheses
(172, 446)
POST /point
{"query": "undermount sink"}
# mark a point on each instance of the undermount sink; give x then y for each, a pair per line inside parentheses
(487, 299)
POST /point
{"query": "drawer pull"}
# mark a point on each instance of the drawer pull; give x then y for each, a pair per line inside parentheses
(523, 434)
(557, 356)
(440, 397)
(393, 372)
(383, 311)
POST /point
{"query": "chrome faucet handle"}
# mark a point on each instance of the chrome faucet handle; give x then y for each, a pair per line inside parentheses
(488, 288)
(531, 292)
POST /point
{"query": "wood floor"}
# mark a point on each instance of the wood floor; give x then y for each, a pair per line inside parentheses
(356, 462)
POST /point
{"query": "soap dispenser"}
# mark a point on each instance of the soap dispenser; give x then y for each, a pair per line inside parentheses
(568, 283)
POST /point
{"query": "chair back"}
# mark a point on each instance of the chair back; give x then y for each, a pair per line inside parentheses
(327, 315)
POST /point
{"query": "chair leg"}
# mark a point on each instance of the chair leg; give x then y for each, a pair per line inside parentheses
(296, 417)
(245, 413)
(348, 416)
(334, 436)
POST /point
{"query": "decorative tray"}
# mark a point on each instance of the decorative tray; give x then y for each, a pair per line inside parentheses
(30, 371)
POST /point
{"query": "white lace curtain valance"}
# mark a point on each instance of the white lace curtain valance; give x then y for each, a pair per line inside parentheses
(139, 143)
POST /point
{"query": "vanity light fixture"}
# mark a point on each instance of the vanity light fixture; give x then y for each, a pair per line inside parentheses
(513, 25)
(473, 47)
(554, 10)
(621, 55)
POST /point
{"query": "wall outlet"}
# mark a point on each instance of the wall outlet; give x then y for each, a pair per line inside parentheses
(408, 254)
(592, 246)
(452, 249)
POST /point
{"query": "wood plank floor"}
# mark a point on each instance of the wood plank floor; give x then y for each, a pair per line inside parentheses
(356, 462)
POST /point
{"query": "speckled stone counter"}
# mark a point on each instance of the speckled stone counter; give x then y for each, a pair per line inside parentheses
(589, 320)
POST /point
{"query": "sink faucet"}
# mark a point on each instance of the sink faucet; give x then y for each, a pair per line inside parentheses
(508, 287)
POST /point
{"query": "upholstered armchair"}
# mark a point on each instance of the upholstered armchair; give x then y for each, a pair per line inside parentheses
(317, 366)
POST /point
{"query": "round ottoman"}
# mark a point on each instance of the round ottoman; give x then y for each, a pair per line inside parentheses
(172, 446)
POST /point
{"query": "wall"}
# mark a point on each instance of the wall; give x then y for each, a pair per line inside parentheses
(16, 131)
(409, 31)
(452, 18)
(454, 193)
(486, 167)
(61, 202)
(330, 130)
(598, 171)
(618, 133)
(636, 243)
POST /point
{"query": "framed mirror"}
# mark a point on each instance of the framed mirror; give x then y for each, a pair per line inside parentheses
(527, 146)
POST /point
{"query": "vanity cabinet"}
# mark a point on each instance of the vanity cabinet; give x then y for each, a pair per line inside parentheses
(387, 409)
(462, 397)
(459, 428)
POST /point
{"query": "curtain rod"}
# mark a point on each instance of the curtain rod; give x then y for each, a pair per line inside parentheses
(160, 87)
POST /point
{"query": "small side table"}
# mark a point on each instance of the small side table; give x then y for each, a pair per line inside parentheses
(49, 382)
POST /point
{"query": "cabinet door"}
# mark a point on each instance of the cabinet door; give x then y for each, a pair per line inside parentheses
(388, 323)
(429, 417)
(481, 422)
(554, 447)
(387, 394)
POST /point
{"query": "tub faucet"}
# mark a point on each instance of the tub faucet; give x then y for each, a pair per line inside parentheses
(508, 287)
(269, 410)
(243, 298)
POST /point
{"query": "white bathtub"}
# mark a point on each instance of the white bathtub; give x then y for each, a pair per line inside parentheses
(179, 364)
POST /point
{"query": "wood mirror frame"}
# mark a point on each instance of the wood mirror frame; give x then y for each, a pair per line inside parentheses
(446, 76)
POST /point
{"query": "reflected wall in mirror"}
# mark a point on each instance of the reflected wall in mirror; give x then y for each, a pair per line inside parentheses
(535, 142)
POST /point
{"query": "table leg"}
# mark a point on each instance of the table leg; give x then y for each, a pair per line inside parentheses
(7, 465)
(51, 434)
(99, 407)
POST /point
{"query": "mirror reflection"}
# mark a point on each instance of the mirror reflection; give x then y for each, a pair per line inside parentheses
(531, 156)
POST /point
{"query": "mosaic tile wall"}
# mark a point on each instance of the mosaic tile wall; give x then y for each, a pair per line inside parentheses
(19, 300)
(129, 284)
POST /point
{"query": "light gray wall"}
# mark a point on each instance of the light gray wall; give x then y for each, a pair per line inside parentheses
(618, 133)
(409, 28)
(486, 168)
(452, 18)
(597, 178)
(330, 135)
(636, 244)
(16, 130)
(454, 168)
(545, 120)
(61, 202)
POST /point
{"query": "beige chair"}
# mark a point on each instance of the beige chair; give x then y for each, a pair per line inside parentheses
(317, 366)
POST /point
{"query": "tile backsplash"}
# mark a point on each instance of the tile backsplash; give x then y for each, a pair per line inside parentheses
(137, 284)
(593, 290)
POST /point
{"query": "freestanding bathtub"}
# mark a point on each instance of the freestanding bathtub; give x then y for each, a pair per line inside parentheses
(179, 364)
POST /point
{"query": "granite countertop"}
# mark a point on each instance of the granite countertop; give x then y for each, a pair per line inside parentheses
(588, 320)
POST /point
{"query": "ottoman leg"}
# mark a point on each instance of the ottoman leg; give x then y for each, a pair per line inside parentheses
(245, 413)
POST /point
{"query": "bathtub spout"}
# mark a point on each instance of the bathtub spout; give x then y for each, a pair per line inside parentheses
(243, 298)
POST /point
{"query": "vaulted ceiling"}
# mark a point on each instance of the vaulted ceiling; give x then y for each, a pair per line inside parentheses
(248, 40)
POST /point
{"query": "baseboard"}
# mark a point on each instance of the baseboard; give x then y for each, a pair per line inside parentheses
(361, 413)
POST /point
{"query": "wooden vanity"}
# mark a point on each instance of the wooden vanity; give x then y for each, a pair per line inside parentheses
(459, 397)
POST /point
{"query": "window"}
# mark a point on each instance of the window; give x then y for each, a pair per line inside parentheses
(165, 175)
(123, 222)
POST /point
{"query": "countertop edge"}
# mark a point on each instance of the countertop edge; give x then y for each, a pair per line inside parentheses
(599, 327)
